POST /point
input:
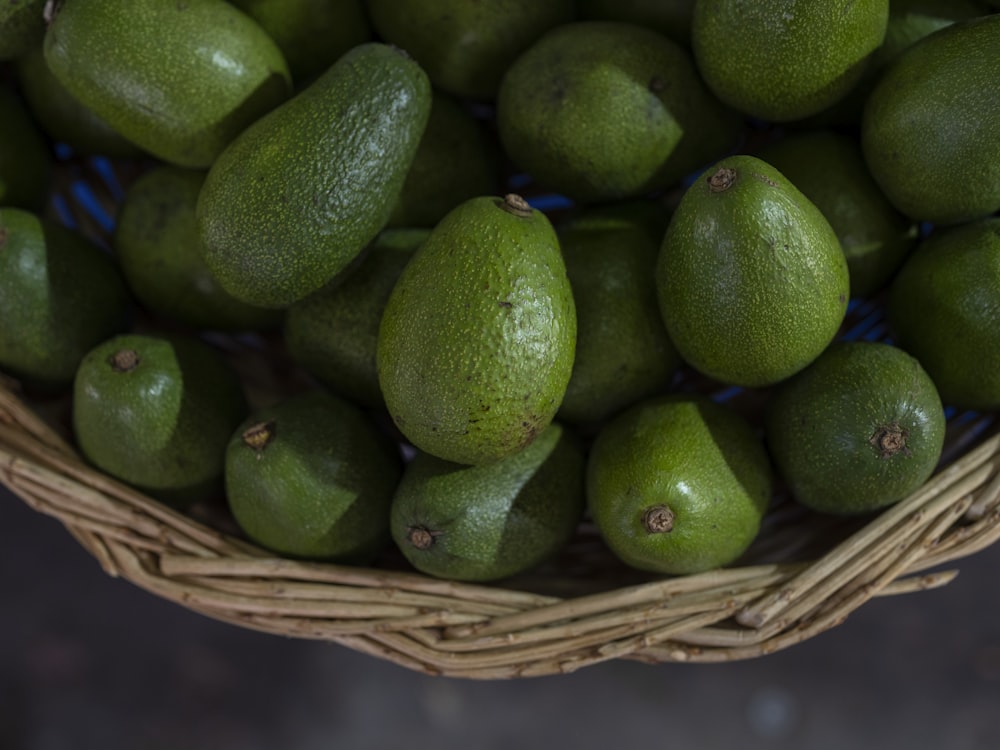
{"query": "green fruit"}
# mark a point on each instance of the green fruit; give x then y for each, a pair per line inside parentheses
(302, 191)
(623, 353)
(180, 80)
(669, 17)
(465, 45)
(157, 413)
(931, 127)
(751, 279)
(311, 34)
(781, 61)
(483, 523)
(678, 485)
(602, 111)
(457, 159)
(829, 169)
(22, 26)
(333, 333)
(64, 118)
(312, 477)
(944, 309)
(858, 430)
(25, 162)
(159, 251)
(60, 295)
(476, 342)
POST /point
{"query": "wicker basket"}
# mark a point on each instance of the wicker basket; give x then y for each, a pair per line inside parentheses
(805, 573)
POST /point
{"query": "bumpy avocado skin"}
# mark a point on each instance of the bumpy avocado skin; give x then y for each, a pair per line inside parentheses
(477, 341)
(180, 80)
(931, 127)
(301, 192)
(25, 161)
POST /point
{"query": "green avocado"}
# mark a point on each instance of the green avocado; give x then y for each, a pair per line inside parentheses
(301, 192)
(931, 126)
(25, 161)
(180, 80)
(751, 280)
(22, 26)
(60, 295)
(157, 413)
(476, 343)
(671, 18)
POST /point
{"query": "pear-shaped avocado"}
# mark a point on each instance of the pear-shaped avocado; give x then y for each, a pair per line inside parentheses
(482, 523)
(302, 191)
(751, 279)
(62, 116)
(781, 61)
(678, 484)
(333, 333)
(311, 34)
(477, 340)
(60, 295)
(313, 477)
(466, 45)
(603, 110)
(180, 80)
(858, 430)
(22, 26)
(944, 309)
(159, 250)
(830, 170)
(157, 413)
(623, 353)
(25, 161)
(931, 127)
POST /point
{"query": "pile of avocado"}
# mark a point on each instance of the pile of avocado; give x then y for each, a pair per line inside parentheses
(358, 185)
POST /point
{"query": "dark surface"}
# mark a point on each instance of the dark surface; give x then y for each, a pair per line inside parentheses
(88, 661)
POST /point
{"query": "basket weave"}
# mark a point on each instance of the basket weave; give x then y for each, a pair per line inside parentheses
(804, 575)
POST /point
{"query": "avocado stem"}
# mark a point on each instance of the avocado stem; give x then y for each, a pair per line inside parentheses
(890, 439)
(421, 538)
(515, 204)
(259, 436)
(658, 519)
(124, 360)
(722, 180)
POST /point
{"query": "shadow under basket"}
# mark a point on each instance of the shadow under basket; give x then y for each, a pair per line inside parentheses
(805, 573)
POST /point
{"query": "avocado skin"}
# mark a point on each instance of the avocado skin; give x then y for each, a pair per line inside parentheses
(751, 280)
(931, 126)
(822, 427)
(60, 295)
(671, 18)
(494, 521)
(135, 68)
(301, 192)
(22, 26)
(25, 161)
(162, 427)
(477, 340)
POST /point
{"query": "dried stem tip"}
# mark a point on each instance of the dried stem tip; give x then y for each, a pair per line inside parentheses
(420, 537)
(722, 180)
(259, 436)
(658, 519)
(515, 204)
(124, 360)
(889, 440)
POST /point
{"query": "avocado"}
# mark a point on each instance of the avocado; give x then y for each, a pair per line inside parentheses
(159, 249)
(829, 169)
(780, 61)
(623, 353)
(312, 477)
(466, 45)
(63, 118)
(943, 308)
(458, 158)
(157, 413)
(858, 430)
(671, 18)
(931, 127)
(751, 280)
(60, 295)
(602, 111)
(333, 333)
(311, 34)
(25, 161)
(476, 343)
(483, 523)
(301, 192)
(678, 484)
(180, 80)
(22, 26)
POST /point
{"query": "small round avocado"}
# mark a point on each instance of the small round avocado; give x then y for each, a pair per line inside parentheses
(678, 484)
(858, 430)
(483, 523)
(25, 160)
(312, 477)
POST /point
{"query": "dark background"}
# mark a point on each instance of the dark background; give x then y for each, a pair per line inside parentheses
(88, 661)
